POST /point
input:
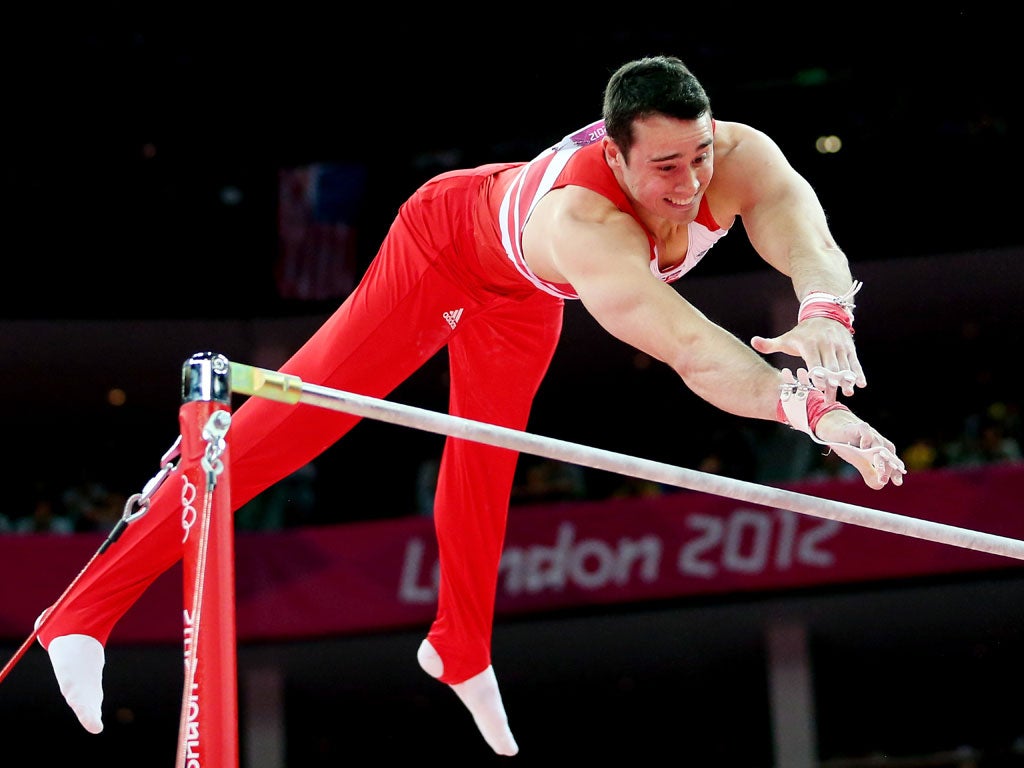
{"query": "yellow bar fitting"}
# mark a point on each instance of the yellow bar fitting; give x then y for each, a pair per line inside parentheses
(273, 385)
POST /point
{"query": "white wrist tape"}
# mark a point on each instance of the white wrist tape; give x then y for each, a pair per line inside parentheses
(801, 404)
(838, 308)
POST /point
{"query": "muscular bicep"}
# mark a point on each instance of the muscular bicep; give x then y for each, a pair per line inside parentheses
(780, 211)
(786, 222)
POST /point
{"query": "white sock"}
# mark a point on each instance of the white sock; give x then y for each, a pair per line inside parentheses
(482, 698)
(78, 664)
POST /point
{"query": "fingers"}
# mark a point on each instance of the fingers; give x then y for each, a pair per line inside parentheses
(893, 470)
(860, 445)
(835, 367)
(765, 346)
(854, 367)
(888, 467)
(830, 382)
(833, 364)
(877, 466)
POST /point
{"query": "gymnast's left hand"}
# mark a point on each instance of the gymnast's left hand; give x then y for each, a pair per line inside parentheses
(828, 351)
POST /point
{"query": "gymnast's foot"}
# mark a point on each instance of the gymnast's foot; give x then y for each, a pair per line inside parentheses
(78, 665)
(482, 698)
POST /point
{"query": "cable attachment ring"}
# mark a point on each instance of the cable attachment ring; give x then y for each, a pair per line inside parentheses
(137, 504)
(213, 433)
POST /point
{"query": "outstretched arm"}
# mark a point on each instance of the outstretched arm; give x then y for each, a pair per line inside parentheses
(728, 374)
(605, 256)
(607, 265)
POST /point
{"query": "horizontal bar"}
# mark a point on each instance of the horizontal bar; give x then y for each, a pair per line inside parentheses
(291, 389)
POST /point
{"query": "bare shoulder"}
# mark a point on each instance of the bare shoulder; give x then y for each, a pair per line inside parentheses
(748, 164)
(575, 228)
(572, 206)
(737, 143)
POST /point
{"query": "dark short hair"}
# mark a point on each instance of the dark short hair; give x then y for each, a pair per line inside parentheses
(654, 85)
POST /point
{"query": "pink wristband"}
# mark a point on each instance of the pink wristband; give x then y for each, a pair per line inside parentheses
(838, 308)
(827, 309)
(816, 408)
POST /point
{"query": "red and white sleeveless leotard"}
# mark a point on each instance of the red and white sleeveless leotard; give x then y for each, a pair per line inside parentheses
(578, 160)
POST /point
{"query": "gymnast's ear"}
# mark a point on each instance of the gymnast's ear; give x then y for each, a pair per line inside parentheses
(613, 154)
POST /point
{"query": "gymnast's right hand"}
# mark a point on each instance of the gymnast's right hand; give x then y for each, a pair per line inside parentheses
(862, 446)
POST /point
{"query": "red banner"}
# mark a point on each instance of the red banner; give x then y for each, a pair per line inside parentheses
(361, 577)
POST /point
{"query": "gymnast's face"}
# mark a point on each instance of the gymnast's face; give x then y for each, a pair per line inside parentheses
(669, 166)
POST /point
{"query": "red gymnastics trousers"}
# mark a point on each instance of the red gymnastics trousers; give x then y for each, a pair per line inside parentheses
(440, 278)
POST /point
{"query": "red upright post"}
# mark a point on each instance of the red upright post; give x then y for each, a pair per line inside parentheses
(208, 732)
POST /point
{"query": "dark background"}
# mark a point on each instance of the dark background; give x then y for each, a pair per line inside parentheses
(927, 106)
(120, 261)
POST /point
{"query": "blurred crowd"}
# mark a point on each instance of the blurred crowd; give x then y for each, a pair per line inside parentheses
(773, 454)
(84, 507)
(759, 452)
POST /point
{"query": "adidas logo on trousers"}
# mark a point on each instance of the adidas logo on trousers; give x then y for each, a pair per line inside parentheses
(453, 316)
